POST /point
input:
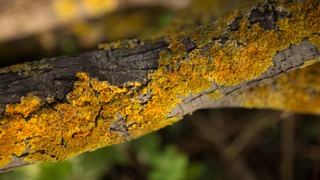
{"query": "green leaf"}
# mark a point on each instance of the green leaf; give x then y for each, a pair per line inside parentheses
(168, 164)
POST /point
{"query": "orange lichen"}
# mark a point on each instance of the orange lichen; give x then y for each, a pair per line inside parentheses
(84, 121)
(9, 144)
(28, 105)
(257, 46)
(81, 124)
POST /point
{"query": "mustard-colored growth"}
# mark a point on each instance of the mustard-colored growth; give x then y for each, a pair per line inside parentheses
(83, 122)
(248, 52)
(215, 95)
(26, 68)
(127, 43)
(315, 39)
(20, 68)
(28, 105)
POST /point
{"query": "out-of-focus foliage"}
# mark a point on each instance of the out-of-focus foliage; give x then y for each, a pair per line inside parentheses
(168, 164)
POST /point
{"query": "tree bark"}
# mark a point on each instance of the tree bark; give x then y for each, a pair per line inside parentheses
(56, 108)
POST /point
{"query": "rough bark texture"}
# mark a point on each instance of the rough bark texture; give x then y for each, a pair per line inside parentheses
(59, 107)
(55, 77)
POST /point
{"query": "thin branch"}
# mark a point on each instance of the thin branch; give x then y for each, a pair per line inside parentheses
(287, 149)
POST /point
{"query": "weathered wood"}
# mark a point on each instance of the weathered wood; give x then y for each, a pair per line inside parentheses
(54, 77)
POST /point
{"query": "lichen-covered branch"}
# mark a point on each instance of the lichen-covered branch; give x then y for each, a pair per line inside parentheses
(57, 108)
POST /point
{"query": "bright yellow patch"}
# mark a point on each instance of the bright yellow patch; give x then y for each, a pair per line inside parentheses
(66, 9)
(215, 95)
(311, 62)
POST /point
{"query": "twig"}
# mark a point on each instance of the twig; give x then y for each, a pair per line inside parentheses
(287, 149)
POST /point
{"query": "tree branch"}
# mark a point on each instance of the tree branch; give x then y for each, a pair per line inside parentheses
(57, 108)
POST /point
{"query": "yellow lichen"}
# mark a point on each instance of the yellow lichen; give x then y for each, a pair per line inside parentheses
(83, 122)
(26, 68)
(23, 68)
(28, 105)
(315, 39)
(215, 95)
(311, 62)
(67, 129)
(128, 43)
(135, 84)
(249, 50)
